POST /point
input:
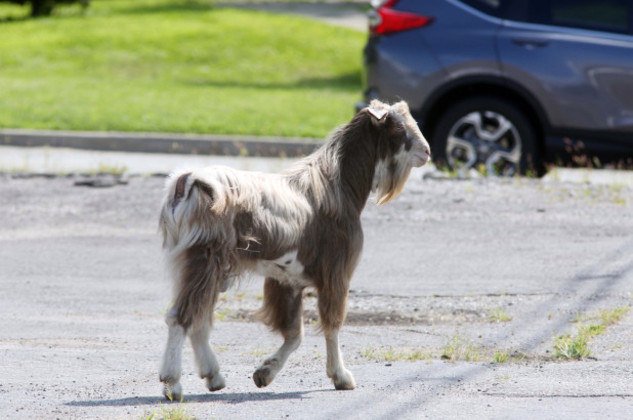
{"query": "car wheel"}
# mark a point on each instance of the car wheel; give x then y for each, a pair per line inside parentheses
(487, 132)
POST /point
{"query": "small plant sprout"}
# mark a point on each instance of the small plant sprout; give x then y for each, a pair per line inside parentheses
(606, 317)
(612, 316)
(390, 354)
(580, 317)
(170, 395)
(165, 413)
(111, 169)
(568, 347)
(571, 348)
(456, 349)
(591, 330)
(220, 315)
(499, 315)
(500, 357)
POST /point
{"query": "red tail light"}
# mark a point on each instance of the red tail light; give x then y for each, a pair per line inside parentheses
(386, 20)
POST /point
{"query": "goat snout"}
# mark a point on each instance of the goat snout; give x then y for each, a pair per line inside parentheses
(421, 157)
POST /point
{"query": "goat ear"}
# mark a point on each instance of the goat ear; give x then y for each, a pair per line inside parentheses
(378, 116)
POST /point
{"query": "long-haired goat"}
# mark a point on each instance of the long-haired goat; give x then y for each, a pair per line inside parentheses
(299, 229)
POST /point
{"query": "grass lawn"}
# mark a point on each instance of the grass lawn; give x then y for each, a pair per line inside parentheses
(177, 66)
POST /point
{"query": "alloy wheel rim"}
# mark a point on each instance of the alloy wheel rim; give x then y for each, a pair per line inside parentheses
(484, 138)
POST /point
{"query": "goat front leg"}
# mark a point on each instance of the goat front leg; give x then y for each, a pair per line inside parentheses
(171, 368)
(283, 312)
(335, 368)
(332, 307)
(208, 366)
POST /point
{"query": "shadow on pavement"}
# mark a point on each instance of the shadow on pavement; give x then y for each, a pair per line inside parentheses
(231, 398)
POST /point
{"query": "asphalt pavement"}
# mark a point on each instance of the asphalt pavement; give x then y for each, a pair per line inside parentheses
(453, 274)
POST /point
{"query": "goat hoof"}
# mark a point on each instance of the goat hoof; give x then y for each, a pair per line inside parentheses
(344, 380)
(262, 377)
(215, 382)
(173, 392)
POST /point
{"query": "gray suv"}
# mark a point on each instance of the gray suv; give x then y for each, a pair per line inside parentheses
(509, 85)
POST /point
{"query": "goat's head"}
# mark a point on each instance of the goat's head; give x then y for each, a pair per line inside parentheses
(400, 146)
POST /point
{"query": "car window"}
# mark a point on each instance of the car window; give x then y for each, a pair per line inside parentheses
(607, 15)
(603, 15)
(490, 7)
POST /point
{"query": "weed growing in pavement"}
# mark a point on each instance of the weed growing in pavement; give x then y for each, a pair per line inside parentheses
(259, 352)
(611, 316)
(220, 316)
(591, 330)
(457, 349)
(580, 317)
(606, 317)
(616, 194)
(390, 354)
(500, 357)
(237, 297)
(508, 356)
(165, 413)
(109, 169)
(571, 348)
(568, 347)
(499, 315)
(482, 170)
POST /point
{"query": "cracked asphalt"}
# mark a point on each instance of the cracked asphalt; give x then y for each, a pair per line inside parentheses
(453, 271)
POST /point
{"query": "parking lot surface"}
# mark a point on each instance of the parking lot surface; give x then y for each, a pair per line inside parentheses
(455, 274)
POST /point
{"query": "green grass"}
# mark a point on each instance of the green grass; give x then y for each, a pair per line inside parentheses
(577, 347)
(220, 315)
(612, 316)
(177, 66)
(606, 317)
(167, 413)
(500, 357)
(499, 315)
(568, 347)
(591, 330)
(457, 348)
(390, 354)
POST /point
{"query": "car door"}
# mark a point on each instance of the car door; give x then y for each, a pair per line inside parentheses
(576, 57)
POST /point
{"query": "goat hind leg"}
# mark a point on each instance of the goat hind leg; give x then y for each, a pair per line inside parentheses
(283, 312)
(196, 296)
(208, 366)
(171, 368)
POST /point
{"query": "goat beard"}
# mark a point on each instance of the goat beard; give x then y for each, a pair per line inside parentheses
(390, 186)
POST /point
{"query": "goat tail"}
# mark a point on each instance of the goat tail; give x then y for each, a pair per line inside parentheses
(189, 208)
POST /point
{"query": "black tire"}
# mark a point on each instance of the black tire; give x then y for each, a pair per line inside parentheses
(529, 160)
